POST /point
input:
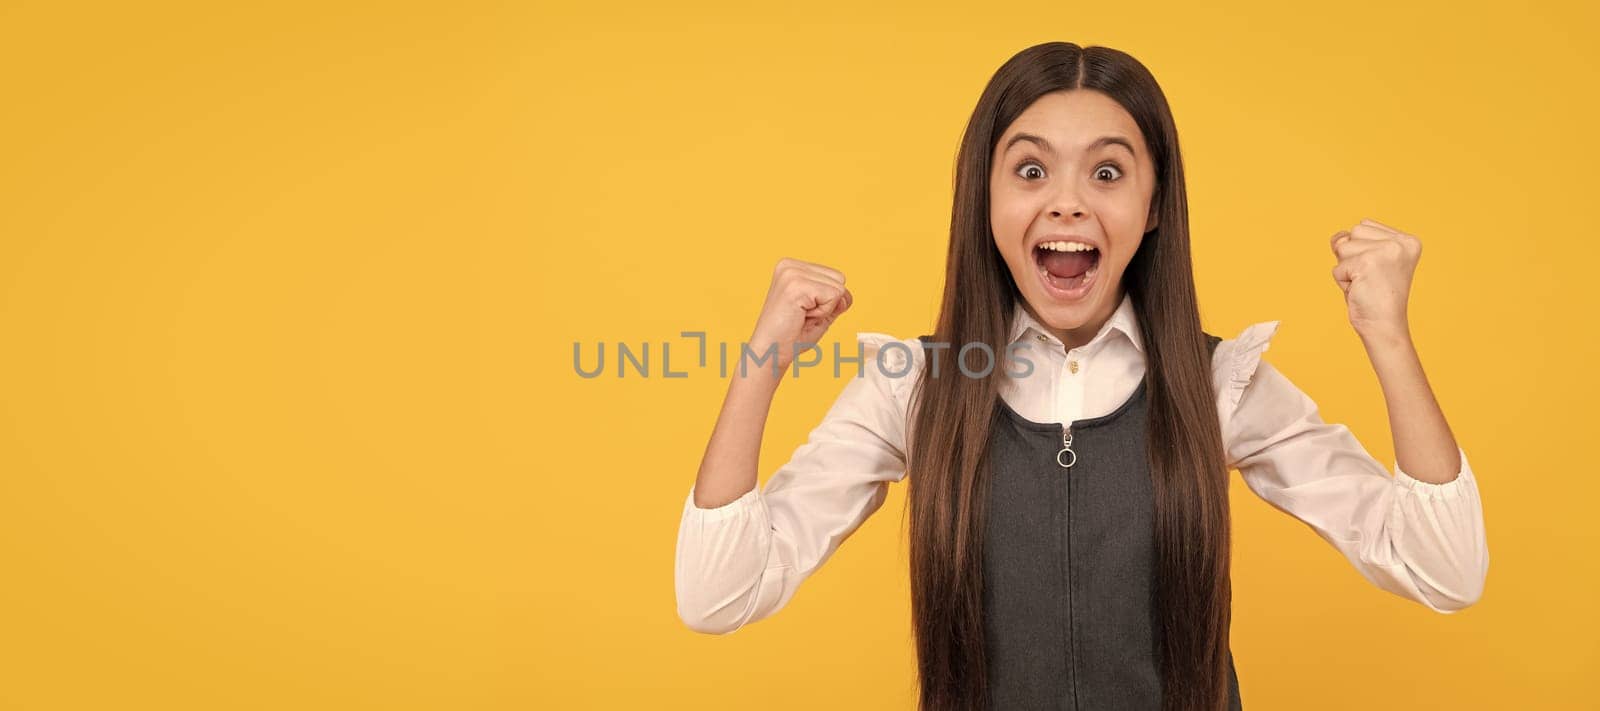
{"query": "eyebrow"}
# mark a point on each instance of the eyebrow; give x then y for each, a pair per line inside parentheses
(1047, 148)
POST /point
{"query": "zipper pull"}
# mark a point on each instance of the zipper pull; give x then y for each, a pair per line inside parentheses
(1066, 448)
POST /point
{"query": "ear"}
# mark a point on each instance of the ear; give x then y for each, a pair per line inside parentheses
(1154, 219)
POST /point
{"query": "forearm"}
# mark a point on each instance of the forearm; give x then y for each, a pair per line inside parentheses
(729, 466)
(1424, 446)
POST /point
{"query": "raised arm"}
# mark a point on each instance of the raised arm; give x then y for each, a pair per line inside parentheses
(1420, 540)
(742, 561)
(742, 552)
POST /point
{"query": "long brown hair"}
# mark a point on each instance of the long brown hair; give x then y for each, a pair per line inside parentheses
(948, 451)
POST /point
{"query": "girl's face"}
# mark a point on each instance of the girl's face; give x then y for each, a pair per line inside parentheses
(1072, 170)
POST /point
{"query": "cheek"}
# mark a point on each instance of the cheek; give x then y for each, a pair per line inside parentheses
(1009, 217)
(1125, 219)
(1008, 227)
(1121, 211)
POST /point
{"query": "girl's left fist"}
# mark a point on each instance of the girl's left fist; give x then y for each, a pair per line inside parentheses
(1376, 262)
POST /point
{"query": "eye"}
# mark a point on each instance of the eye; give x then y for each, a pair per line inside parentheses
(1112, 167)
(1030, 162)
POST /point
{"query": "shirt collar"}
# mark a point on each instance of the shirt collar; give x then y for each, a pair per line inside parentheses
(1123, 320)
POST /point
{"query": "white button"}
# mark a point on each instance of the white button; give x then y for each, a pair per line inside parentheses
(1073, 366)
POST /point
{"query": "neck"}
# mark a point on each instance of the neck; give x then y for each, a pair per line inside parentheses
(1077, 337)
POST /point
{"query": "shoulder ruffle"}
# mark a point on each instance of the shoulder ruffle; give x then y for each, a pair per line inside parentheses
(1237, 359)
(893, 359)
(899, 365)
(897, 368)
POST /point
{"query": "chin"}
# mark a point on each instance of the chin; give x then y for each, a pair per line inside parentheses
(1064, 316)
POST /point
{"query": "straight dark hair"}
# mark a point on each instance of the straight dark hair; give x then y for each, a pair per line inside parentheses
(948, 447)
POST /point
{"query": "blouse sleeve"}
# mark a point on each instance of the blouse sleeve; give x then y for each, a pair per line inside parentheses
(744, 560)
(1422, 541)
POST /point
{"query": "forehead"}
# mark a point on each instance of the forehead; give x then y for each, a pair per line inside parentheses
(1071, 120)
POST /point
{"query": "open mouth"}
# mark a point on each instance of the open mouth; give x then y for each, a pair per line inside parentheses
(1067, 269)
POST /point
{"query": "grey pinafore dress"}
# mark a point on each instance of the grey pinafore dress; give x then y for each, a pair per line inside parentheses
(1069, 560)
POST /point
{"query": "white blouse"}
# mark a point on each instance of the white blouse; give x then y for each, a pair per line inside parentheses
(744, 560)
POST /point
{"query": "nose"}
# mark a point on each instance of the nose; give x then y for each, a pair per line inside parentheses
(1066, 202)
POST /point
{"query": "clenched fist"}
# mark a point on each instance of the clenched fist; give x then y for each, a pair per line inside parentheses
(802, 303)
(1376, 263)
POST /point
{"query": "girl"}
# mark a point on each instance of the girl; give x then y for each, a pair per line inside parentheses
(1069, 514)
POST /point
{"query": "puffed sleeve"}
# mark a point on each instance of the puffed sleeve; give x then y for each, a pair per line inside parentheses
(744, 560)
(1422, 541)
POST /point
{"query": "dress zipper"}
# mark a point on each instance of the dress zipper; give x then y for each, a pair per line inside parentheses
(1066, 457)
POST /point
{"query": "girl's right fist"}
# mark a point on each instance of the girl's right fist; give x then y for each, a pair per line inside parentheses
(802, 303)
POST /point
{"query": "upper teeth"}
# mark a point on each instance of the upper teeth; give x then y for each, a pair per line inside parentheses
(1065, 246)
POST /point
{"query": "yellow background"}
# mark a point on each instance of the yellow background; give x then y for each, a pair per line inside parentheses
(288, 417)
